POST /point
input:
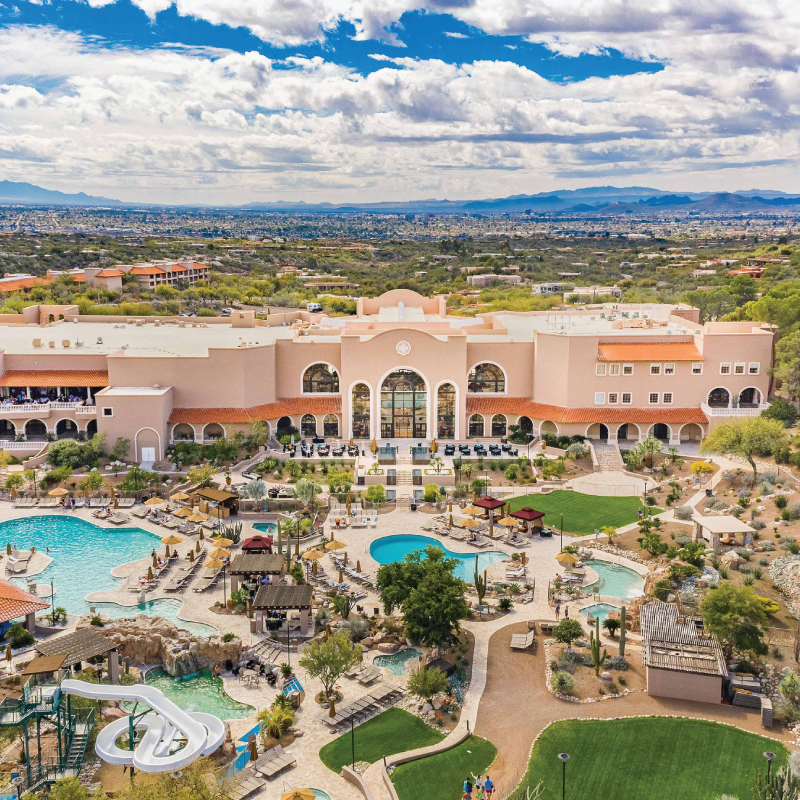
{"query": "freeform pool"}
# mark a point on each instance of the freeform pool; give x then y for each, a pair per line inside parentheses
(394, 548)
(396, 662)
(270, 528)
(599, 610)
(616, 581)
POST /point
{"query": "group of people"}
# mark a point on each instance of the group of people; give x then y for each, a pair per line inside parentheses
(23, 400)
(484, 787)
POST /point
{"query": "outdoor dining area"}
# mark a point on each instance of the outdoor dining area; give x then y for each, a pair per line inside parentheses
(282, 609)
(250, 571)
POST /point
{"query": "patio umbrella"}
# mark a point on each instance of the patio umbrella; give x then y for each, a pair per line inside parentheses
(335, 544)
(171, 539)
(524, 559)
(219, 552)
(221, 541)
(358, 566)
(197, 518)
(179, 496)
(57, 492)
(155, 560)
(298, 794)
(8, 548)
(191, 555)
(312, 555)
(345, 559)
(341, 577)
(149, 573)
(252, 746)
(469, 523)
(154, 501)
(507, 522)
(450, 509)
(197, 547)
(348, 504)
(183, 512)
(14, 492)
(116, 502)
(472, 511)
(214, 563)
(314, 568)
(567, 559)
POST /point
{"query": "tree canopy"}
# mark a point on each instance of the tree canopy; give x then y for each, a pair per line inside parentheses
(736, 617)
(329, 660)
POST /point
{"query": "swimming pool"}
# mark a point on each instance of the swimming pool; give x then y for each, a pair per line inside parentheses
(599, 610)
(270, 528)
(616, 580)
(396, 662)
(199, 692)
(394, 548)
(168, 609)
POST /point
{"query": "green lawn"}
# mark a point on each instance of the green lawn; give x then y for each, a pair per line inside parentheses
(393, 731)
(582, 512)
(649, 759)
(441, 777)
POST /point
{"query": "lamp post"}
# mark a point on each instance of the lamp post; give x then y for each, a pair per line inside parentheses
(353, 741)
(288, 651)
(769, 756)
(564, 757)
(562, 533)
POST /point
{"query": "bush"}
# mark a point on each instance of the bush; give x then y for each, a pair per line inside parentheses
(781, 410)
(376, 494)
(19, 637)
(617, 662)
(791, 546)
(96, 621)
(431, 494)
(781, 501)
(563, 683)
(792, 510)
(684, 512)
(228, 637)
(662, 590)
(505, 603)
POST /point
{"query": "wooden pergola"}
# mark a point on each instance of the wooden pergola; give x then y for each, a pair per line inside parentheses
(277, 602)
(81, 646)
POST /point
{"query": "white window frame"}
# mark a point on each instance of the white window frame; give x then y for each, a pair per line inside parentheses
(629, 395)
(667, 398)
(600, 370)
(754, 368)
(669, 369)
(650, 396)
(655, 369)
(725, 368)
(627, 370)
(613, 398)
(697, 368)
(739, 368)
(599, 398)
(107, 411)
(614, 369)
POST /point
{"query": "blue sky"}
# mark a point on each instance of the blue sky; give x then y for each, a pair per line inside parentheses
(364, 100)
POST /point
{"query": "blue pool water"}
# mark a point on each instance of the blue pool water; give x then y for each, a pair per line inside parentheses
(599, 610)
(394, 548)
(83, 556)
(266, 527)
(396, 662)
(616, 580)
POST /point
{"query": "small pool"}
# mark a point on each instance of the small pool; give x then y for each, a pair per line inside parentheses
(396, 662)
(168, 609)
(320, 795)
(270, 528)
(394, 548)
(199, 692)
(616, 580)
(599, 610)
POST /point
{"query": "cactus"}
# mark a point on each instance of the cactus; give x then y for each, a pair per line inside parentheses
(622, 632)
(594, 645)
(480, 583)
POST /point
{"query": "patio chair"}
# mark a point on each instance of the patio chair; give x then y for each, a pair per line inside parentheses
(521, 641)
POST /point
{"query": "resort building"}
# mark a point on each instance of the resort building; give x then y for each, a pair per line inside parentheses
(400, 368)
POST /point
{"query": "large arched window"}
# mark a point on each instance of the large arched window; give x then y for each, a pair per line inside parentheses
(499, 424)
(403, 406)
(320, 378)
(446, 411)
(487, 378)
(330, 426)
(476, 425)
(360, 411)
(308, 425)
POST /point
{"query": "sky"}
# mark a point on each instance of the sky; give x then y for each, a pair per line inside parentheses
(236, 101)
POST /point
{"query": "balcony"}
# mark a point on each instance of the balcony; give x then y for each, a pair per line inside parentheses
(27, 410)
(733, 411)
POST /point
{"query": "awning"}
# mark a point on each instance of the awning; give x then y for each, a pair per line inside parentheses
(53, 378)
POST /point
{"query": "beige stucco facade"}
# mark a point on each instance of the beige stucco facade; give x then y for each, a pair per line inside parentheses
(678, 685)
(604, 372)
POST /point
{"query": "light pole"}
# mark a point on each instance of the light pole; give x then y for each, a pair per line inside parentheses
(769, 756)
(564, 758)
(353, 741)
(562, 533)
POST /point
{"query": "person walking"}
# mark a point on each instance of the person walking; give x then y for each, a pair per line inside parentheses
(488, 788)
(566, 612)
(467, 790)
(558, 611)
(479, 788)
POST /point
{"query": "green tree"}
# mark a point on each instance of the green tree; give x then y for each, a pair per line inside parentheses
(782, 410)
(306, 490)
(649, 448)
(275, 721)
(119, 452)
(376, 493)
(93, 481)
(736, 617)
(68, 789)
(201, 475)
(567, 631)
(427, 682)
(329, 660)
(748, 438)
(787, 363)
(15, 481)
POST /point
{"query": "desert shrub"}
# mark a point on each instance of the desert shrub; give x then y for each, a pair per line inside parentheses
(617, 662)
(781, 501)
(684, 512)
(792, 510)
(563, 683)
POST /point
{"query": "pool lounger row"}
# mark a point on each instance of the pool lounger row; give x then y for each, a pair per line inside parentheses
(273, 762)
(365, 706)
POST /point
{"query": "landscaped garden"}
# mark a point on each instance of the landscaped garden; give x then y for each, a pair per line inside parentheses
(582, 512)
(442, 776)
(393, 731)
(642, 759)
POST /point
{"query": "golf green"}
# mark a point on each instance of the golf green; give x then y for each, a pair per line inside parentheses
(582, 512)
(654, 758)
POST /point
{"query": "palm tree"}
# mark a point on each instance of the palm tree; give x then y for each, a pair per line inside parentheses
(610, 531)
(275, 722)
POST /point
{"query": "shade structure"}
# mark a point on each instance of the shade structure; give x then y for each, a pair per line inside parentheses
(57, 492)
(489, 503)
(298, 794)
(183, 512)
(219, 552)
(197, 518)
(313, 555)
(335, 544)
(179, 496)
(472, 511)
(171, 539)
(567, 558)
(469, 523)
(508, 522)
(154, 501)
(214, 563)
(221, 541)
(527, 514)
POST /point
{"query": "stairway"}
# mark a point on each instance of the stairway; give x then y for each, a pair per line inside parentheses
(78, 746)
(608, 456)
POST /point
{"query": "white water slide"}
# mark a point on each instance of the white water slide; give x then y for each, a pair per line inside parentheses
(173, 738)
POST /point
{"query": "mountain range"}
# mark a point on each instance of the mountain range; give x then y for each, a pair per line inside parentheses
(605, 200)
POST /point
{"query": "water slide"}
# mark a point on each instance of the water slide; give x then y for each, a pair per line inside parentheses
(172, 739)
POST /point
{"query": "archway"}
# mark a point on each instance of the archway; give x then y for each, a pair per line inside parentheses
(213, 431)
(446, 411)
(691, 432)
(750, 397)
(499, 425)
(359, 411)
(628, 432)
(404, 406)
(486, 378)
(321, 379)
(66, 429)
(147, 445)
(91, 428)
(597, 431)
(7, 429)
(660, 431)
(330, 426)
(308, 425)
(35, 430)
(719, 398)
(548, 427)
(284, 424)
(525, 424)
(183, 433)
(476, 425)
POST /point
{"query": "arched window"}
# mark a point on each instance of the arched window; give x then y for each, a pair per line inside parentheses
(308, 425)
(499, 425)
(525, 424)
(719, 398)
(320, 378)
(360, 411)
(476, 425)
(446, 411)
(330, 426)
(487, 378)
(403, 405)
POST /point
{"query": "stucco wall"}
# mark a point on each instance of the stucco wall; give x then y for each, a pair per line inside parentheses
(684, 686)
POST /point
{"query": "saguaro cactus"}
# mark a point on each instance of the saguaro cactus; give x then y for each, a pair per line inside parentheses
(594, 645)
(622, 632)
(480, 583)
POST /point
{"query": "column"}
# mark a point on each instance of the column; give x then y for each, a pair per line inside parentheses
(234, 582)
(89, 396)
(113, 666)
(28, 392)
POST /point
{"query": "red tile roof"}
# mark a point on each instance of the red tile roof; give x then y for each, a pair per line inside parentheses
(178, 268)
(648, 351)
(522, 406)
(53, 378)
(109, 273)
(285, 407)
(148, 271)
(16, 602)
(23, 283)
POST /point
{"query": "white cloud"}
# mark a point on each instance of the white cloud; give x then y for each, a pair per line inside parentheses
(456, 35)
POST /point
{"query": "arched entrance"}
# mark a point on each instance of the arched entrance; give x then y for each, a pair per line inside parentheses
(525, 424)
(284, 424)
(628, 432)
(719, 398)
(183, 433)
(66, 429)
(7, 429)
(213, 431)
(691, 432)
(750, 397)
(446, 411)
(548, 427)
(35, 430)
(91, 428)
(660, 431)
(404, 406)
(308, 425)
(330, 426)
(499, 425)
(476, 425)
(360, 414)
(597, 431)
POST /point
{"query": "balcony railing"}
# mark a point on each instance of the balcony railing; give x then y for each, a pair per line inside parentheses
(92, 410)
(733, 411)
(30, 409)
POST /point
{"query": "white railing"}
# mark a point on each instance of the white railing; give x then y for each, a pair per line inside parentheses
(63, 406)
(85, 409)
(9, 445)
(31, 409)
(730, 411)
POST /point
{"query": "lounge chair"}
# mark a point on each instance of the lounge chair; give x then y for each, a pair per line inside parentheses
(368, 675)
(176, 584)
(171, 524)
(516, 573)
(207, 581)
(119, 519)
(522, 641)
(141, 513)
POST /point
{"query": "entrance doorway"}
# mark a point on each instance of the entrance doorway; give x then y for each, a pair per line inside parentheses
(404, 406)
